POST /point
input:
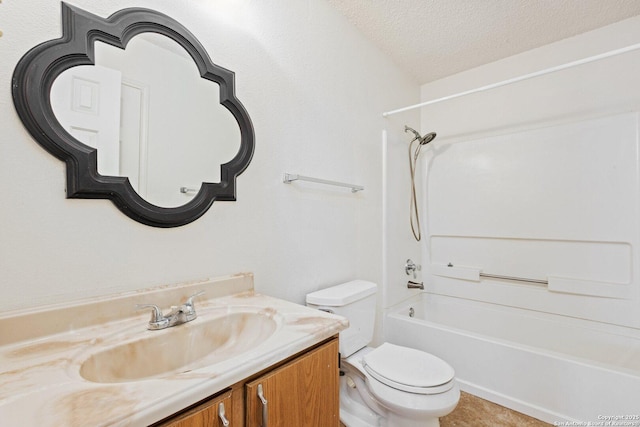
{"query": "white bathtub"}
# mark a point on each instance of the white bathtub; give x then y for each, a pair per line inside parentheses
(551, 367)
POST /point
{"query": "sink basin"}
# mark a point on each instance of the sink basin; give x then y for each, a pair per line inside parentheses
(180, 349)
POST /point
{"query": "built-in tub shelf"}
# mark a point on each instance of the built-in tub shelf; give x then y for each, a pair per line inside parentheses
(553, 284)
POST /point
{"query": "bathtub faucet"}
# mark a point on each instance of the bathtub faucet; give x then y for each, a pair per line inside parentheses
(415, 285)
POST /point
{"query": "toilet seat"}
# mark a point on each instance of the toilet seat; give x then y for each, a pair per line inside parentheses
(408, 370)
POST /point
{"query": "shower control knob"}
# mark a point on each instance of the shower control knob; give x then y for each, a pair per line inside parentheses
(411, 267)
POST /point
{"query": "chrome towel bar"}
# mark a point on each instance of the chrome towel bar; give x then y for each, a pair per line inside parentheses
(475, 274)
(290, 177)
(517, 279)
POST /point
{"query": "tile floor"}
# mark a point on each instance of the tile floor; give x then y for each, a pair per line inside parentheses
(475, 412)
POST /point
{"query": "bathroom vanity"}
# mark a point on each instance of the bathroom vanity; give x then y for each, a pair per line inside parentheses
(244, 359)
(300, 391)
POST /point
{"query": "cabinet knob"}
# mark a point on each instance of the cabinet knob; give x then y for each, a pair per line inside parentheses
(222, 415)
(265, 411)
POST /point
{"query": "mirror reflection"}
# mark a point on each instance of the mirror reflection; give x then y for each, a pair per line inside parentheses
(151, 117)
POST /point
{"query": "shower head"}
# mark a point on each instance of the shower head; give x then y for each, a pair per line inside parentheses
(422, 140)
(427, 138)
(414, 153)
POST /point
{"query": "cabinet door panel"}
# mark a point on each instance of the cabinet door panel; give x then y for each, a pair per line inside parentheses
(205, 415)
(303, 392)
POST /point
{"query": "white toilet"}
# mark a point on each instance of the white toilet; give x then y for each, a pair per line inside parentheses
(389, 385)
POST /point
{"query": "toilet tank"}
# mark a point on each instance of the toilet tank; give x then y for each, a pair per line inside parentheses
(355, 300)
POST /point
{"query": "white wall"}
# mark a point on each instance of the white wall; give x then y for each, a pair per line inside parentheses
(314, 89)
(540, 179)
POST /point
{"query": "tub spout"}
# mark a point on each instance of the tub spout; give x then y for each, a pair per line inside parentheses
(415, 285)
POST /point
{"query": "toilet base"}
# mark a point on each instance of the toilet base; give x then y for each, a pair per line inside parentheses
(353, 411)
(359, 409)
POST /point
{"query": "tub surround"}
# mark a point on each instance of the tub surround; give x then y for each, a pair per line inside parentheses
(42, 351)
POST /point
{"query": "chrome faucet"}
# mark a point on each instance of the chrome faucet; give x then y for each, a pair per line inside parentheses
(177, 316)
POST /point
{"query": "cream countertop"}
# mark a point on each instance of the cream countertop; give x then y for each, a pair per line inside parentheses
(40, 381)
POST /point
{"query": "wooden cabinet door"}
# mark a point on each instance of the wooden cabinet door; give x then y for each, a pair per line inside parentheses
(206, 414)
(304, 392)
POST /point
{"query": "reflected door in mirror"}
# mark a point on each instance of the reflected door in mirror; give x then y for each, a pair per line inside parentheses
(86, 101)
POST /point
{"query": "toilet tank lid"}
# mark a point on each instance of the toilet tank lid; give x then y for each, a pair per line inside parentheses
(343, 294)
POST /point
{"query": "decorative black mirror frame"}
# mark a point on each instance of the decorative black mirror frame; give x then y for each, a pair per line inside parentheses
(31, 87)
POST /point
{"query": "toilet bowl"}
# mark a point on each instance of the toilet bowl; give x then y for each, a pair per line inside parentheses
(389, 385)
(418, 399)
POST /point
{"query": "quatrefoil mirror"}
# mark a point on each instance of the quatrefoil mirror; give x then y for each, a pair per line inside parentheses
(139, 113)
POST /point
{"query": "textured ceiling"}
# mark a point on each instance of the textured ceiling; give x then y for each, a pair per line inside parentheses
(431, 39)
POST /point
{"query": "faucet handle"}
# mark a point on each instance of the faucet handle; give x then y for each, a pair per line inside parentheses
(411, 267)
(157, 321)
(190, 309)
(189, 302)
